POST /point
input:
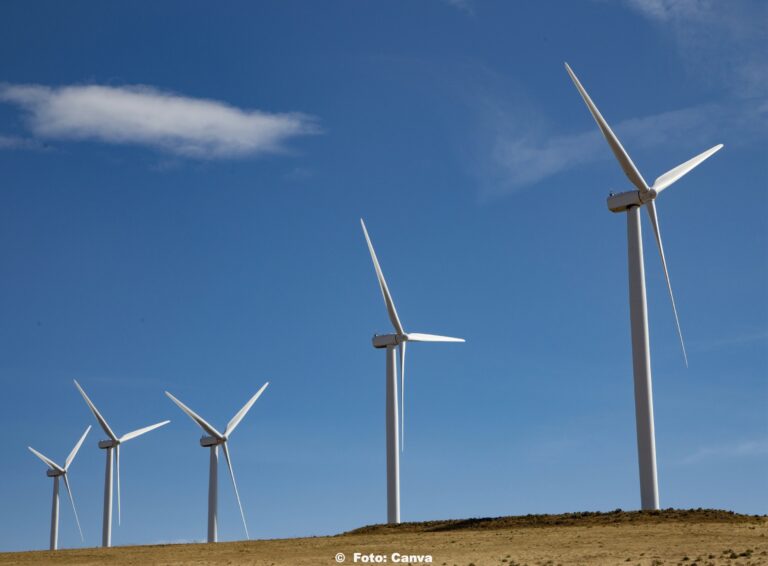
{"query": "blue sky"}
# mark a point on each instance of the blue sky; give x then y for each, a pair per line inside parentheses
(180, 202)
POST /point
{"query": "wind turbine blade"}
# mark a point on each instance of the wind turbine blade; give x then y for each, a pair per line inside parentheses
(383, 284)
(195, 417)
(674, 174)
(234, 484)
(141, 431)
(47, 461)
(72, 500)
(401, 348)
(651, 207)
(117, 465)
(232, 425)
(417, 337)
(618, 150)
(76, 448)
(96, 413)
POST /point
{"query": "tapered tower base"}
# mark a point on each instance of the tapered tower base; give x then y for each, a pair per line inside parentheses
(641, 364)
(393, 448)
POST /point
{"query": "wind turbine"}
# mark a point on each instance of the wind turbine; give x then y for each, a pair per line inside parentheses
(113, 442)
(390, 342)
(630, 202)
(55, 471)
(213, 441)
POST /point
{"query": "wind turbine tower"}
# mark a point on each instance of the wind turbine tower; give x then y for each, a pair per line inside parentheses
(213, 440)
(630, 202)
(109, 445)
(390, 342)
(55, 471)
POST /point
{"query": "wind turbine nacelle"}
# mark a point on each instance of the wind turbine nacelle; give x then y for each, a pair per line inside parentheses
(621, 202)
(104, 444)
(208, 441)
(53, 473)
(385, 340)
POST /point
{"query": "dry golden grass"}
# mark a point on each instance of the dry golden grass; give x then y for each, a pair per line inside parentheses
(699, 537)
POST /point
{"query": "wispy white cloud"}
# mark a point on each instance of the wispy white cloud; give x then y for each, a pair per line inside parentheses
(463, 5)
(519, 159)
(721, 45)
(723, 41)
(15, 142)
(518, 146)
(743, 449)
(143, 115)
(668, 9)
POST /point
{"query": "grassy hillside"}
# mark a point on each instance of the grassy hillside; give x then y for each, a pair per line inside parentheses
(672, 537)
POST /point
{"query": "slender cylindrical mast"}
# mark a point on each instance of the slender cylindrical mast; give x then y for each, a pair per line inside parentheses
(641, 364)
(393, 449)
(106, 529)
(213, 496)
(55, 515)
